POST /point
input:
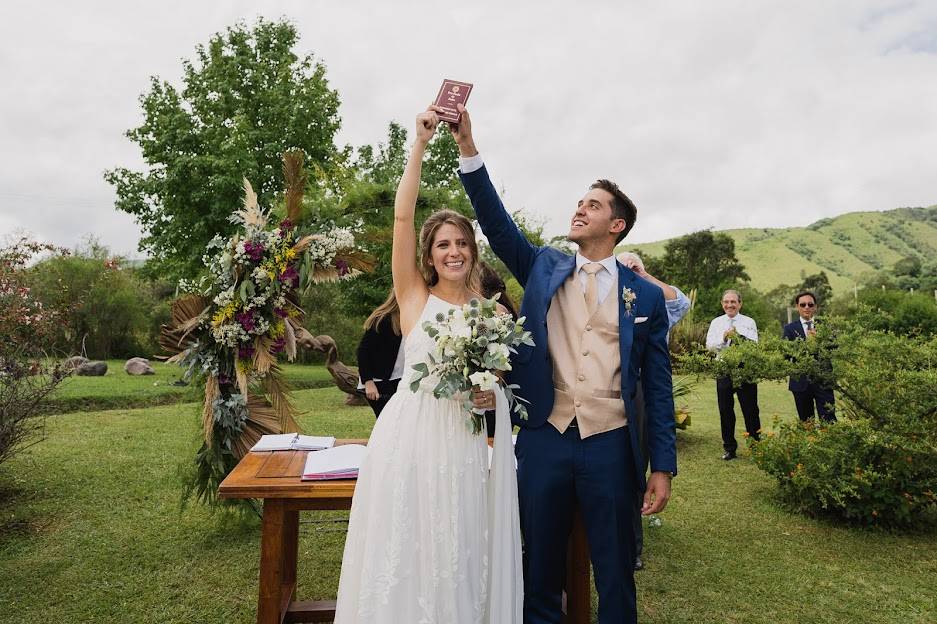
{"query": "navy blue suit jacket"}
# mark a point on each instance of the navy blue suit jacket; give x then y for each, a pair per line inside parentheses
(643, 347)
(795, 331)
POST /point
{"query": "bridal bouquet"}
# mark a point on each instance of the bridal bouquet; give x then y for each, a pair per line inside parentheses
(473, 345)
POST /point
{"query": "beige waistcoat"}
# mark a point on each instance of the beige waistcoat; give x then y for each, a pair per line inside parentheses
(586, 361)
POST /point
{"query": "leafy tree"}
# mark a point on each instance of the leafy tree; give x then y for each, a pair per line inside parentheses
(246, 98)
(703, 260)
(910, 266)
(818, 284)
(108, 310)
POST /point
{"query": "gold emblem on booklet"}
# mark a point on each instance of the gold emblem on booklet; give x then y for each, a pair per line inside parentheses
(451, 93)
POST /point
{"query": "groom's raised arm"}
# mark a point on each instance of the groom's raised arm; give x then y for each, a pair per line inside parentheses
(506, 240)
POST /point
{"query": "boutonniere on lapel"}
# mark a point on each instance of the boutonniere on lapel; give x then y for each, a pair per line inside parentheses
(628, 296)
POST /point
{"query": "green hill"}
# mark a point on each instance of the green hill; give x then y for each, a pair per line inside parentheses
(845, 247)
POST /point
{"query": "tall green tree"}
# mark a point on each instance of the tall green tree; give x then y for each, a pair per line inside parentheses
(702, 260)
(246, 98)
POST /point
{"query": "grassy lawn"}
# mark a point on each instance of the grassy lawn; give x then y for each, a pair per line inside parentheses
(91, 531)
(118, 390)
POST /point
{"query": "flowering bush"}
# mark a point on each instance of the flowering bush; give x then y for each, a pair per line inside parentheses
(473, 345)
(26, 376)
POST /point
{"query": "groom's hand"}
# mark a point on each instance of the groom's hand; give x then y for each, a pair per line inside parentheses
(462, 133)
(657, 494)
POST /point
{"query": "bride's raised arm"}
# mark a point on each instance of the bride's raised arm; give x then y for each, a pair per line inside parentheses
(409, 285)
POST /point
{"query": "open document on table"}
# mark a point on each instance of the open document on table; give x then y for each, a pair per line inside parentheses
(293, 442)
(338, 462)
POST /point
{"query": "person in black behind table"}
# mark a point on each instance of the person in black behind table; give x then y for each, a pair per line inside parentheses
(806, 391)
(380, 354)
(492, 284)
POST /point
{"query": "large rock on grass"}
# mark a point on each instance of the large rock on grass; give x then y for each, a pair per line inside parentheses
(138, 366)
(92, 369)
(74, 362)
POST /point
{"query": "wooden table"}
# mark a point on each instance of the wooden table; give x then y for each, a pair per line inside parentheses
(275, 478)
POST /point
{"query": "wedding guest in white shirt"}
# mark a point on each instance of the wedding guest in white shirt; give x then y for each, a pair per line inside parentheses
(724, 331)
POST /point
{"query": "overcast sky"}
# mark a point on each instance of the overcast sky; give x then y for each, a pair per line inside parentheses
(716, 114)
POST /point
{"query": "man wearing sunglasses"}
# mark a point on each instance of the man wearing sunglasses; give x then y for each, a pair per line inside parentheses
(808, 392)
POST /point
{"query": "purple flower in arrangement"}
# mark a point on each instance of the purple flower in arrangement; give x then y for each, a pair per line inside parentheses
(281, 312)
(290, 276)
(224, 380)
(343, 268)
(254, 251)
(246, 319)
(246, 352)
(286, 224)
(278, 345)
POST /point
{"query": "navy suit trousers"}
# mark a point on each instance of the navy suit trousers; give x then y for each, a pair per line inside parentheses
(556, 472)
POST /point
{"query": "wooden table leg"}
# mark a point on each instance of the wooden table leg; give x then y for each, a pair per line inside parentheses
(269, 602)
(578, 576)
(290, 554)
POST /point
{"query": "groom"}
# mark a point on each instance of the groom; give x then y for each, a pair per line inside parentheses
(595, 325)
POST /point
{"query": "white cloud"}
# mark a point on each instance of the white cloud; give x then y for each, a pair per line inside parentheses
(722, 114)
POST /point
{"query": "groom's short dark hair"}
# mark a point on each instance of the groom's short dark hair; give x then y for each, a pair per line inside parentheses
(622, 207)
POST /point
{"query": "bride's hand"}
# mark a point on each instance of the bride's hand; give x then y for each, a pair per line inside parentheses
(426, 123)
(483, 399)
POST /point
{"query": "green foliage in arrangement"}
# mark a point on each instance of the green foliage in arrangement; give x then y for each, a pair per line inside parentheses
(878, 464)
(246, 98)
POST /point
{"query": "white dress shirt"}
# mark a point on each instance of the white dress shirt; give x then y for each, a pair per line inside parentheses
(468, 164)
(744, 325)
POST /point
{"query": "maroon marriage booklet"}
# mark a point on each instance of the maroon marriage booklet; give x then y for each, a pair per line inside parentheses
(452, 92)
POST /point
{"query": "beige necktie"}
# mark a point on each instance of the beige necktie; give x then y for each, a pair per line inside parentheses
(592, 287)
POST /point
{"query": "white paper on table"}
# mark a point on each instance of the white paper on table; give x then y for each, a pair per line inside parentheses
(313, 443)
(292, 442)
(336, 460)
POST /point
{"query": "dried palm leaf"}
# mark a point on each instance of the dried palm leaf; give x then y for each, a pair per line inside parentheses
(262, 419)
(241, 377)
(358, 260)
(290, 337)
(295, 177)
(187, 312)
(303, 243)
(263, 361)
(278, 394)
(208, 415)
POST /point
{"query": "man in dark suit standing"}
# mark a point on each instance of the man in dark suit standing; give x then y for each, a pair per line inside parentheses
(808, 392)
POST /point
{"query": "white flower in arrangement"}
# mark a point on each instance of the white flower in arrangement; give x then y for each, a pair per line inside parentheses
(499, 350)
(260, 276)
(484, 380)
(224, 297)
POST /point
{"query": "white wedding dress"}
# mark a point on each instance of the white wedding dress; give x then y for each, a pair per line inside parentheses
(433, 537)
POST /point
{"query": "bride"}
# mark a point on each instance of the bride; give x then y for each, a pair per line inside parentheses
(434, 536)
